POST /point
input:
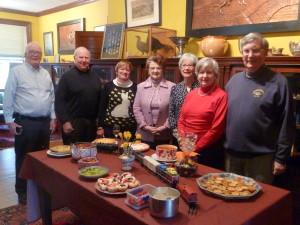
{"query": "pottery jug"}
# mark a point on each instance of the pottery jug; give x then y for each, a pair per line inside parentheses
(295, 48)
(214, 46)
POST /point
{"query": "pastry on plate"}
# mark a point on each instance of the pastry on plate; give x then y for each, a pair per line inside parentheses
(105, 141)
(61, 149)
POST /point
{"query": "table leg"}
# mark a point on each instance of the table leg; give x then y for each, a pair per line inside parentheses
(45, 206)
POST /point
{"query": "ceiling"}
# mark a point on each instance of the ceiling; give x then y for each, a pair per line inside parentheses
(33, 6)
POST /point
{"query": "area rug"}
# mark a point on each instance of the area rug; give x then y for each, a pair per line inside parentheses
(7, 140)
(16, 215)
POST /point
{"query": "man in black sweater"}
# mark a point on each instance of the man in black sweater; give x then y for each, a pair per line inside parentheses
(77, 100)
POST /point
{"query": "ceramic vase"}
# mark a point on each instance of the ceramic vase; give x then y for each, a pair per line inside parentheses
(214, 46)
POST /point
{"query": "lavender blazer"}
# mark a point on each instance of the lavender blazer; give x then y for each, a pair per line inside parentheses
(142, 110)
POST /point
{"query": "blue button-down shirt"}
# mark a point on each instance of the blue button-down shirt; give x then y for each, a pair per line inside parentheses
(28, 91)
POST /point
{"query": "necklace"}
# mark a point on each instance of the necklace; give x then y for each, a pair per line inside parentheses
(201, 95)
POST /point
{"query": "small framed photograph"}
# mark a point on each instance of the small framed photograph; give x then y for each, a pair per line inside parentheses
(143, 12)
(48, 43)
(113, 41)
(66, 35)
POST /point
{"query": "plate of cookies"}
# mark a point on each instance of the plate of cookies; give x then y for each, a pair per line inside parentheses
(228, 185)
(116, 184)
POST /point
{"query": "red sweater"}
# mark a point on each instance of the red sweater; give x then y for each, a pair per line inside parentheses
(205, 116)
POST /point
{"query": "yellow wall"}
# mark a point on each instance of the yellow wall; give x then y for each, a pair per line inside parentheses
(113, 11)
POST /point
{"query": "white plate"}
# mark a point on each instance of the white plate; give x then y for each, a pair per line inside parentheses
(202, 180)
(154, 156)
(54, 154)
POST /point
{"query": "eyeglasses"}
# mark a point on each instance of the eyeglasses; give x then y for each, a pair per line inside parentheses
(187, 66)
(155, 68)
(34, 53)
(254, 51)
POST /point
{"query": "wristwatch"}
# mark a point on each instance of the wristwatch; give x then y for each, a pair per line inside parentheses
(143, 127)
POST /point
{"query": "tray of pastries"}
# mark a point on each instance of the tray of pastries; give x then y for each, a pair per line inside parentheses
(116, 184)
(108, 144)
(229, 185)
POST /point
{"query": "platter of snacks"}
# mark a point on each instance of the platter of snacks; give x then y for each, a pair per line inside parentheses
(93, 172)
(229, 185)
(116, 184)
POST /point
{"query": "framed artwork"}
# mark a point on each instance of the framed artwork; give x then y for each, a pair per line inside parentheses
(66, 35)
(113, 41)
(143, 12)
(48, 43)
(235, 17)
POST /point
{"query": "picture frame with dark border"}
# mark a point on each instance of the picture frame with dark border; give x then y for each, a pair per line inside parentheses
(269, 27)
(143, 12)
(113, 41)
(66, 35)
(48, 43)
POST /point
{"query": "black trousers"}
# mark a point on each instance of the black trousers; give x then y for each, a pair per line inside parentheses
(84, 131)
(213, 155)
(35, 136)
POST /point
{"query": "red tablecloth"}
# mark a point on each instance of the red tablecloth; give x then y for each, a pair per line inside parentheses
(59, 177)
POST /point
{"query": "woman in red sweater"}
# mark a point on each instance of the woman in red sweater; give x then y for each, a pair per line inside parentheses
(204, 113)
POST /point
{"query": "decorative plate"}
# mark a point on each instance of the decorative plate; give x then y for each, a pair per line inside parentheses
(93, 172)
(58, 155)
(217, 184)
(154, 156)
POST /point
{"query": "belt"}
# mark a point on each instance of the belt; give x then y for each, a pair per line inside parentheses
(23, 117)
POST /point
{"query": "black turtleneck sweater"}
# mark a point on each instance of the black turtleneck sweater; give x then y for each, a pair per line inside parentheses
(77, 95)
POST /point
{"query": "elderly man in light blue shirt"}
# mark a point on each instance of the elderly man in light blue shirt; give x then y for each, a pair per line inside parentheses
(28, 108)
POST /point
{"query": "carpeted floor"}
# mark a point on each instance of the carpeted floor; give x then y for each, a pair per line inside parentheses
(7, 139)
(16, 215)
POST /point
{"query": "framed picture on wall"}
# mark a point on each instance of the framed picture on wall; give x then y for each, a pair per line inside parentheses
(48, 43)
(113, 41)
(143, 12)
(66, 35)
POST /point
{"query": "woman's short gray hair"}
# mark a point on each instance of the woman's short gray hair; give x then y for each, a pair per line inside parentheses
(255, 36)
(205, 62)
(188, 56)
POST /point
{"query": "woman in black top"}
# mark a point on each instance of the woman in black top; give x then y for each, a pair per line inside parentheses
(187, 63)
(116, 102)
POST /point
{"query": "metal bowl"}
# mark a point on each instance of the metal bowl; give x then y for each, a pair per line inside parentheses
(164, 202)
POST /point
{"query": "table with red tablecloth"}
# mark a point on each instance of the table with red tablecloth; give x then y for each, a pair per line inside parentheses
(59, 179)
